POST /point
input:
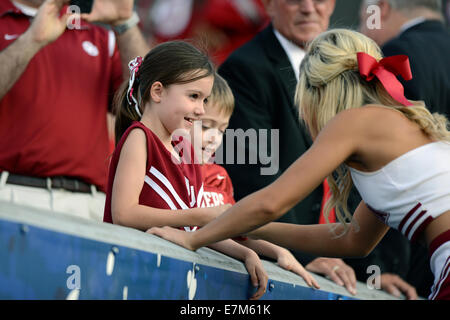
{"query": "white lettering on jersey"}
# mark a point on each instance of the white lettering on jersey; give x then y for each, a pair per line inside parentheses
(211, 199)
(191, 192)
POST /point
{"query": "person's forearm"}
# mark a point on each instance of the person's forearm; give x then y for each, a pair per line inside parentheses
(14, 59)
(143, 217)
(263, 248)
(232, 248)
(313, 239)
(231, 224)
(131, 44)
(47, 26)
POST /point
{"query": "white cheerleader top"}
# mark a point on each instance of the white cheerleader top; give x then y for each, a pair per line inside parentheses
(410, 191)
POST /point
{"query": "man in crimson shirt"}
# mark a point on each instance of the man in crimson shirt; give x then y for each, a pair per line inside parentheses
(59, 73)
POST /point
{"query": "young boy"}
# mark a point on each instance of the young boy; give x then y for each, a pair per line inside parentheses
(218, 189)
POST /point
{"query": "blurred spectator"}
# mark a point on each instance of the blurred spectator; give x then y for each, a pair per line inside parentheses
(415, 28)
(220, 26)
(447, 11)
(56, 87)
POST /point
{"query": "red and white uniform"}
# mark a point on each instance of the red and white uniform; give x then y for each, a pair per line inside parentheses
(410, 192)
(168, 185)
(53, 119)
(217, 186)
(439, 251)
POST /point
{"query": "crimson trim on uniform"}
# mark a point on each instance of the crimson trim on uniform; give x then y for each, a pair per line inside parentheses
(438, 241)
(408, 215)
(441, 292)
(413, 222)
(422, 227)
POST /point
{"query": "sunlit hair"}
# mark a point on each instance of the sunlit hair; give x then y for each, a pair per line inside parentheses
(330, 83)
(221, 96)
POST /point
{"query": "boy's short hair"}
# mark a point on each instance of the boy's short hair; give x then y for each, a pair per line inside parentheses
(221, 96)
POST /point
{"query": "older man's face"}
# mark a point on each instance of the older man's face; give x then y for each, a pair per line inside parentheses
(300, 20)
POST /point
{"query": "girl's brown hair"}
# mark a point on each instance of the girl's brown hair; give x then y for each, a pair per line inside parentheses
(173, 62)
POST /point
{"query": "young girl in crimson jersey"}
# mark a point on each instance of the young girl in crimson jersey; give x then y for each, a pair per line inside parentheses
(365, 132)
(151, 183)
(217, 186)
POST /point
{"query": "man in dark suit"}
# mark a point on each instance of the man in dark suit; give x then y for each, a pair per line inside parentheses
(263, 75)
(414, 28)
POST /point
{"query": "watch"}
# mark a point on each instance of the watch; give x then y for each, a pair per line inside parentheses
(128, 24)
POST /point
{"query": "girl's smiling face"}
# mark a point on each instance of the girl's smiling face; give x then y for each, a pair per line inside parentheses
(177, 106)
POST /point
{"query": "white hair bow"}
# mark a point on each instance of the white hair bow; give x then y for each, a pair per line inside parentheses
(134, 66)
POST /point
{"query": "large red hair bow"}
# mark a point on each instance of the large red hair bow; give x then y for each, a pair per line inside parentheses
(386, 71)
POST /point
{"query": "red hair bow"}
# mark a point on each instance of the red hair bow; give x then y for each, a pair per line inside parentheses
(386, 71)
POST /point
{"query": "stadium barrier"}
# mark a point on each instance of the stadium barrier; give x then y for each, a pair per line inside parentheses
(47, 255)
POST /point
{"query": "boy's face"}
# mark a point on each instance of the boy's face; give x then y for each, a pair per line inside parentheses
(213, 125)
